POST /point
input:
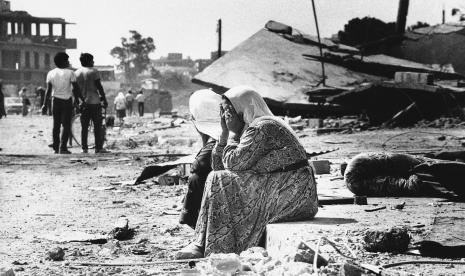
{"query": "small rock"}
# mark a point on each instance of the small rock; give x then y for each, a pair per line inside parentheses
(121, 229)
(56, 254)
(392, 240)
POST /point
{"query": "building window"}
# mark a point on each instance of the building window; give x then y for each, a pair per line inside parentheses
(36, 60)
(27, 62)
(10, 59)
(47, 61)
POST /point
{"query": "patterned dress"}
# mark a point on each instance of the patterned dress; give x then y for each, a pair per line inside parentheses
(248, 188)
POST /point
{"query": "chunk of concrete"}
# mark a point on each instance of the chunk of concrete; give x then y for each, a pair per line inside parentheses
(56, 254)
(392, 240)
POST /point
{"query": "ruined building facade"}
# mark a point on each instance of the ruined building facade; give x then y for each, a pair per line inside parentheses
(28, 45)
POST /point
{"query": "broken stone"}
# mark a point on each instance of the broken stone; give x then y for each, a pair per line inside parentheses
(392, 240)
(56, 254)
(121, 230)
(305, 254)
(254, 254)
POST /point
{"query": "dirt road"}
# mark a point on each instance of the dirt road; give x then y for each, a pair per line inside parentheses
(43, 193)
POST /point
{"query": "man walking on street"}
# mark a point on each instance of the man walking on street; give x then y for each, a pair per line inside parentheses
(88, 79)
(140, 102)
(61, 84)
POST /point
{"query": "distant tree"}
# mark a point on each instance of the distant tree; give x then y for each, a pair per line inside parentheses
(360, 31)
(418, 25)
(133, 53)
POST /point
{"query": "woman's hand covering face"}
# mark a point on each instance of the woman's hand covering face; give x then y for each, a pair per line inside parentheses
(230, 118)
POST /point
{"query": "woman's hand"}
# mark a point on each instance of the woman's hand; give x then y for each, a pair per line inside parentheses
(224, 127)
(233, 122)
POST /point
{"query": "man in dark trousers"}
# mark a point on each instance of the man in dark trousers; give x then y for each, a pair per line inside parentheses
(88, 79)
(61, 85)
(140, 98)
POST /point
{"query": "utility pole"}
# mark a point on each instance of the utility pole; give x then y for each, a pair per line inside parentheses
(323, 76)
(443, 15)
(219, 38)
(402, 16)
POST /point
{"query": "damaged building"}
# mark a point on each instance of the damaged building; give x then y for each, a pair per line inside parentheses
(284, 65)
(28, 45)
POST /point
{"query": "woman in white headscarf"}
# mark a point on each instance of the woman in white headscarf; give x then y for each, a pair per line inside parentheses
(260, 175)
(120, 106)
(204, 106)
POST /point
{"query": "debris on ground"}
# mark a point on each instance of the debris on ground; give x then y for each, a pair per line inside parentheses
(305, 254)
(56, 254)
(392, 240)
(75, 236)
(121, 230)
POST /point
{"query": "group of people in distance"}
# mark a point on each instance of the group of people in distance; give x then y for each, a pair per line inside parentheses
(124, 104)
(68, 88)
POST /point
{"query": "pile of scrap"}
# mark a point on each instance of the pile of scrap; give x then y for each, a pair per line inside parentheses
(403, 103)
(284, 66)
(272, 61)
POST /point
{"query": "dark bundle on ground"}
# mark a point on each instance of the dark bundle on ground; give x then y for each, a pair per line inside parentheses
(110, 121)
(392, 240)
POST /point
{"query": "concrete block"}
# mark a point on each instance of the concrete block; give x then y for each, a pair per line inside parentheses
(414, 77)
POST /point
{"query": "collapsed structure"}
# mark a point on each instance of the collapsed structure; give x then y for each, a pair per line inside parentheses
(284, 65)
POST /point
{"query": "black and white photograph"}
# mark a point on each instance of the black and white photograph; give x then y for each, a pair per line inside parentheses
(232, 137)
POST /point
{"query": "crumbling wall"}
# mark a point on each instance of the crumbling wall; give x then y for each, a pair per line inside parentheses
(435, 49)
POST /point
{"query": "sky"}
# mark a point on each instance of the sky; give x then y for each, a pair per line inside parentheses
(189, 26)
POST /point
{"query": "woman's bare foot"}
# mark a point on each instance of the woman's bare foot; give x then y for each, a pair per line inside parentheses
(192, 251)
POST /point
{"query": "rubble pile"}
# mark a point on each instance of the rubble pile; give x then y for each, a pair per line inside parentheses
(443, 122)
(256, 261)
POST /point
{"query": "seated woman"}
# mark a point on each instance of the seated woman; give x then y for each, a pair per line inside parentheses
(204, 106)
(393, 174)
(260, 175)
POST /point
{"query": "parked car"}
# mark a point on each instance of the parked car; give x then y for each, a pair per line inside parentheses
(13, 105)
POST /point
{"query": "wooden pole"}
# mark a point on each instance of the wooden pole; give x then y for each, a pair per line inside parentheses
(323, 80)
(219, 38)
(402, 16)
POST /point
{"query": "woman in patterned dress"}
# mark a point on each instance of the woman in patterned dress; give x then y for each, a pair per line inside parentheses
(260, 175)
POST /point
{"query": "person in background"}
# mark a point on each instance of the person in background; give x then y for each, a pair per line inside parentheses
(40, 95)
(204, 107)
(260, 175)
(120, 107)
(88, 79)
(25, 100)
(129, 102)
(140, 98)
(2, 101)
(61, 85)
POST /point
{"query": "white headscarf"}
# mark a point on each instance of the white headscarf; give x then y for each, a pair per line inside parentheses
(204, 106)
(248, 102)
